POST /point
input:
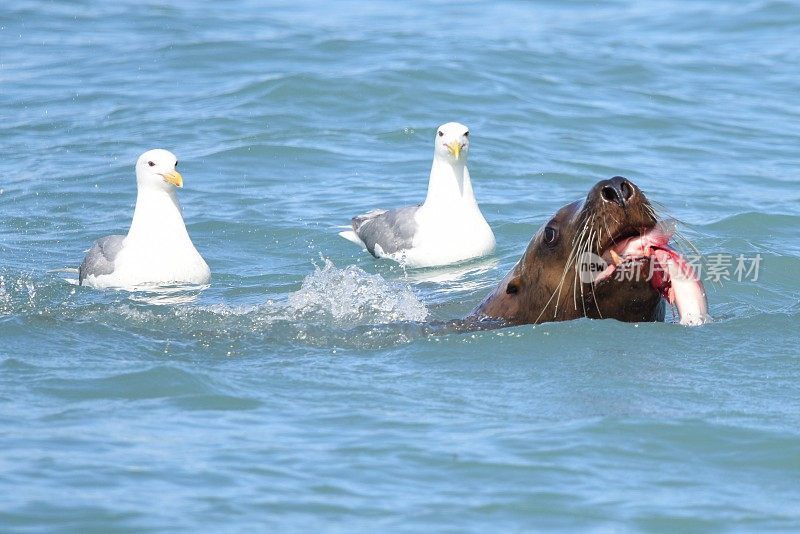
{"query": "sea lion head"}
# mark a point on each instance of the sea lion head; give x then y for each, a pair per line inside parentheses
(556, 278)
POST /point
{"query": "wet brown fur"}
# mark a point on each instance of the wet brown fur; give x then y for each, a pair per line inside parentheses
(545, 283)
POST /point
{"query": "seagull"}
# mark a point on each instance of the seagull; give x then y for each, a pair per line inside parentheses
(447, 228)
(157, 249)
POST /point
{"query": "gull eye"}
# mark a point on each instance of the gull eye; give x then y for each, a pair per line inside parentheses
(441, 133)
(550, 235)
(151, 163)
(176, 163)
(466, 134)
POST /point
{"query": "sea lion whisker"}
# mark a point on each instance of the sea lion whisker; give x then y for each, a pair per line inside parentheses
(579, 234)
(585, 245)
(614, 241)
(557, 290)
(576, 267)
(572, 239)
(663, 209)
(588, 251)
(544, 308)
(679, 236)
(573, 259)
(577, 282)
(594, 297)
(567, 263)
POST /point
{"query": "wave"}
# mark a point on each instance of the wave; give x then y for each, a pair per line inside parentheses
(352, 296)
(333, 306)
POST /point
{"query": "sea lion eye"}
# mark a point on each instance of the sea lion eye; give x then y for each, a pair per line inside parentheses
(550, 235)
(441, 133)
(151, 163)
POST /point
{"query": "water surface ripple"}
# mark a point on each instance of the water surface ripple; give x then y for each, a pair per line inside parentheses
(305, 388)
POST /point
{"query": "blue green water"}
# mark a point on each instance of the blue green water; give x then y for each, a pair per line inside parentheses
(302, 391)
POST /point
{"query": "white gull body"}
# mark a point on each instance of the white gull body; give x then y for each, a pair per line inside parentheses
(447, 228)
(157, 249)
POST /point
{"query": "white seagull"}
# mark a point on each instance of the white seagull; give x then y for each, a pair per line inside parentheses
(157, 249)
(447, 228)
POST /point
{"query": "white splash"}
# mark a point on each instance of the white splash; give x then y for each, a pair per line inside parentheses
(16, 294)
(352, 296)
(5, 298)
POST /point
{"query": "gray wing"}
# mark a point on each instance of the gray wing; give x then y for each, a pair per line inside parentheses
(100, 258)
(393, 230)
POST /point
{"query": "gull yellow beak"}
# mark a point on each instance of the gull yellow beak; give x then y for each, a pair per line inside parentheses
(174, 177)
(455, 149)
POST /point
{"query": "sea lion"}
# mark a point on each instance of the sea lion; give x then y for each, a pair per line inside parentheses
(627, 276)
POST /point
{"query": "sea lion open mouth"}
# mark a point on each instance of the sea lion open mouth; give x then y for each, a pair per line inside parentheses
(671, 275)
(604, 257)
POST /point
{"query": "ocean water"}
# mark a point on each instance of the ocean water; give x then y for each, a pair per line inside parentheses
(305, 389)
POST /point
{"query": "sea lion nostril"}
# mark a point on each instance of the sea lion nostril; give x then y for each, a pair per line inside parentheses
(627, 190)
(618, 190)
(610, 194)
